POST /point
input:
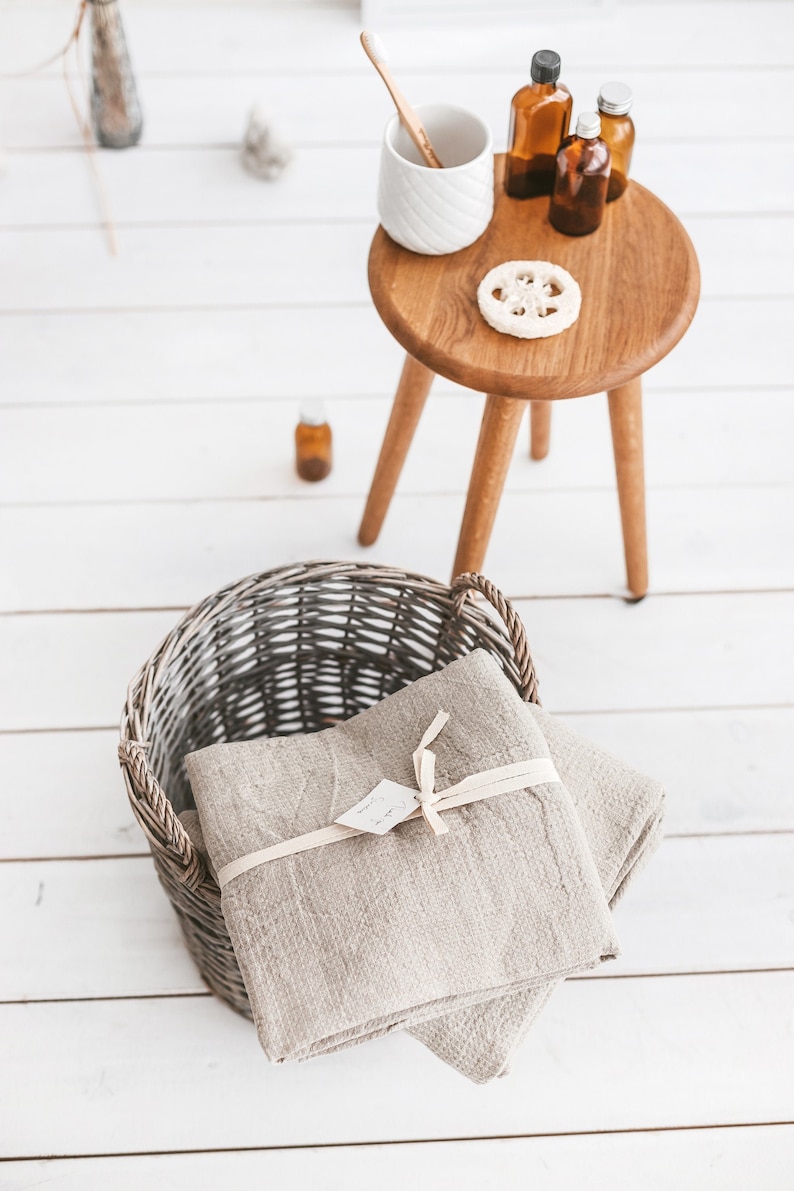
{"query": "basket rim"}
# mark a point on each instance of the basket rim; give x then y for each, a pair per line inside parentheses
(145, 682)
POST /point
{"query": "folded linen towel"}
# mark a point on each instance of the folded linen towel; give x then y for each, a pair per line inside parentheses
(621, 813)
(351, 940)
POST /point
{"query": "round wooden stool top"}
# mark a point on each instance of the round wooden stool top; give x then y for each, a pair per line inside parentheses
(638, 274)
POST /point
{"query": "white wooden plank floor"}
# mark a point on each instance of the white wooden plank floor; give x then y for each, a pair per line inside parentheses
(146, 412)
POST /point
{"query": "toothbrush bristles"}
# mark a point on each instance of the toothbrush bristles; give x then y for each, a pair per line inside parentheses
(374, 46)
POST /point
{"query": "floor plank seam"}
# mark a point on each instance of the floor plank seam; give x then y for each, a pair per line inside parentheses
(737, 69)
(621, 597)
(409, 1141)
(208, 308)
(59, 730)
(364, 143)
(738, 708)
(182, 402)
(131, 998)
(314, 497)
(88, 857)
(690, 710)
(99, 998)
(165, 225)
(62, 858)
(693, 974)
(335, 220)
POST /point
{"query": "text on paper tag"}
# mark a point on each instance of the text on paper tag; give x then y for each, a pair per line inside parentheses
(383, 808)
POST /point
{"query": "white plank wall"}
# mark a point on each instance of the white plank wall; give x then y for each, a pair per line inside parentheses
(147, 404)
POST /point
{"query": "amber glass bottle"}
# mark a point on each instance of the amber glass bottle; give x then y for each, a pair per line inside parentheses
(581, 180)
(539, 117)
(313, 443)
(617, 130)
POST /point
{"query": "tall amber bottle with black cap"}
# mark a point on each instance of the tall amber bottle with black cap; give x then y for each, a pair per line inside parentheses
(539, 117)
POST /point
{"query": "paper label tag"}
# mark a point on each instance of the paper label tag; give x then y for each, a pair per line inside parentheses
(383, 808)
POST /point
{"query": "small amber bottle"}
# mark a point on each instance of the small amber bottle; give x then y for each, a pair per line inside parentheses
(539, 117)
(581, 181)
(313, 443)
(617, 130)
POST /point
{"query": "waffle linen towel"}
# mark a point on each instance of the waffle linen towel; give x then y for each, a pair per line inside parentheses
(621, 813)
(349, 941)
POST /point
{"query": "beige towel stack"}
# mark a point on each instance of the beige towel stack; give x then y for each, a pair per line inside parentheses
(459, 938)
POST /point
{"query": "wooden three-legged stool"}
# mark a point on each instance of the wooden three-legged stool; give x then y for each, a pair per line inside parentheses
(640, 285)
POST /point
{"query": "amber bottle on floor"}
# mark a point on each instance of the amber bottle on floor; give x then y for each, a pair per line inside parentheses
(581, 179)
(539, 117)
(617, 131)
(313, 443)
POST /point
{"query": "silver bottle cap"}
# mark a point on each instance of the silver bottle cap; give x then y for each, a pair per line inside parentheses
(588, 125)
(312, 412)
(614, 99)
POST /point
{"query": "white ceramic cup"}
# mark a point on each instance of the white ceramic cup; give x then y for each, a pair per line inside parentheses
(434, 211)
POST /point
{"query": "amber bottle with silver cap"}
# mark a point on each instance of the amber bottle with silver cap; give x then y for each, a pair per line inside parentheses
(581, 179)
(313, 442)
(617, 131)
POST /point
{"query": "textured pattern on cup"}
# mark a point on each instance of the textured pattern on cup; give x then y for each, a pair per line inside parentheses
(436, 211)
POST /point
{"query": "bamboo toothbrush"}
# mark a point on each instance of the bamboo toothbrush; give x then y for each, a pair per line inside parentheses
(373, 48)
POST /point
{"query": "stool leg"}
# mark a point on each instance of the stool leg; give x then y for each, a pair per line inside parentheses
(539, 428)
(500, 421)
(625, 415)
(409, 401)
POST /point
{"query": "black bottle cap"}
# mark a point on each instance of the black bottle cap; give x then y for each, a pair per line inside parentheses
(545, 66)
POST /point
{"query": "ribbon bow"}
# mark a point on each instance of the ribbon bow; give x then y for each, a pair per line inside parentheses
(504, 779)
(425, 770)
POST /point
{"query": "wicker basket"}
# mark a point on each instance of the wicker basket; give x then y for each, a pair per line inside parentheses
(290, 650)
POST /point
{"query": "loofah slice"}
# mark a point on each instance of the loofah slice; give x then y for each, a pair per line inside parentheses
(529, 299)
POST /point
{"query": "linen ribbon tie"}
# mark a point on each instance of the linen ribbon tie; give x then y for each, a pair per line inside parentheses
(504, 779)
(425, 770)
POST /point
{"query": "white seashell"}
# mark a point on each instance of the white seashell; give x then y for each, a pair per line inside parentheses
(529, 299)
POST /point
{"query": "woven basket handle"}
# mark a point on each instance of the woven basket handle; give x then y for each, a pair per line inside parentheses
(156, 815)
(471, 581)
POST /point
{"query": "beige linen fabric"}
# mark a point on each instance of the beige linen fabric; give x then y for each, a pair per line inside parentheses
(621, 812)
(351, 940)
